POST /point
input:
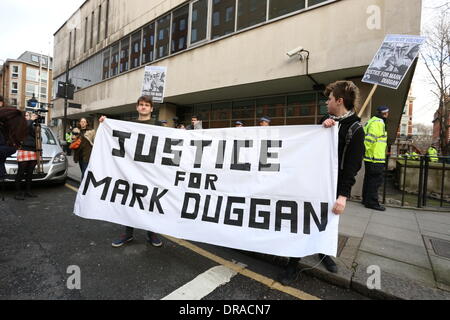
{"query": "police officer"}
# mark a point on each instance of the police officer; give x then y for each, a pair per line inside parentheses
(238, 124)
(432, 154)
(375, 158)
(264, 122)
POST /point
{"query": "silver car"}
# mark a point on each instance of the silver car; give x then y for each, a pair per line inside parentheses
(53, 158)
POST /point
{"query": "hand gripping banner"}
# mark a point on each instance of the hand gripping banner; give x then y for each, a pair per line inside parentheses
(263, 189)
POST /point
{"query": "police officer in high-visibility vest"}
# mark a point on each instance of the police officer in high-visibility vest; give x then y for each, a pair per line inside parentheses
(433, 154)
(375, 158)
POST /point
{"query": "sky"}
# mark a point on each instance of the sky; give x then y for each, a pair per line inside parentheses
(35, 22)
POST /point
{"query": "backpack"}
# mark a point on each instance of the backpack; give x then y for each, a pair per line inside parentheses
(348, 138)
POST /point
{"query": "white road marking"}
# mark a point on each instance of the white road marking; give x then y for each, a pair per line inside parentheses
(203, 285)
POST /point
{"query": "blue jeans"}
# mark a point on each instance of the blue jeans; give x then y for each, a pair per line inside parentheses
(83, 167)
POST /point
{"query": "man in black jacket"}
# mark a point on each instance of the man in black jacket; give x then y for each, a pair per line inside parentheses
(342, 97)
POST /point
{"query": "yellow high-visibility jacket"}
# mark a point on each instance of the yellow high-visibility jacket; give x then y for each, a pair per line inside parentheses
(432, 152)
(375, 141)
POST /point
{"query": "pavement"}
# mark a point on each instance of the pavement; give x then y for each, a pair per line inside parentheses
(402, 253)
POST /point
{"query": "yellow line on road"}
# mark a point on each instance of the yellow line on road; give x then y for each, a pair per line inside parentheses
(272, 284)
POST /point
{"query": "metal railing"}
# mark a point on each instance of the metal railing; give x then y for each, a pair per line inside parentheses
(422, 165)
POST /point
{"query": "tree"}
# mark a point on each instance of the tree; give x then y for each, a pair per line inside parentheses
(436, 57)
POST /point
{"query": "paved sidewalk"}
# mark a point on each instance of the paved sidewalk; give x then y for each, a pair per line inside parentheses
(410, 247)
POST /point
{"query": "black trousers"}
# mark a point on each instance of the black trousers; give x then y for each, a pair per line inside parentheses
(25, 171)
(373, 179)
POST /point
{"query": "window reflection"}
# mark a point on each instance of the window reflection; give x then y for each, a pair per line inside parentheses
(162, 38)
(180, 29)
(148, 44)
(223, 14)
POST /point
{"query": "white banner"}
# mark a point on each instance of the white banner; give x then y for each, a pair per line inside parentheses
(154, 83)
(264, 189)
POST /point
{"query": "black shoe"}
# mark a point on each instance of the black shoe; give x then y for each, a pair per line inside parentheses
(329, 264)
(290, 273)
(377, 207)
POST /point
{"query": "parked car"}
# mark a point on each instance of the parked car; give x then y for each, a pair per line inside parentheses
(53, 158)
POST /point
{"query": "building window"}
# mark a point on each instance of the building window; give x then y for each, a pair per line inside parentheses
(44, 75)
(124, 54)
(32, 74)
(13, 102)
(106, 19)
(15, 72)
(31, 89)
(251, 12)
(43, 92)
(244, 111)
(301, 109)
(148, 44)
(106, 54)
(179, 29)
(314, 2)
(136, 49)
(34, 58)
(85, 33)
(114, 70)
(99, 22)
(92, 30)
(279, 8)
(199, 20)
(223, 17)
(273, 108)
(220, 115)
(14, 88)
(74, 43)
(162, 40)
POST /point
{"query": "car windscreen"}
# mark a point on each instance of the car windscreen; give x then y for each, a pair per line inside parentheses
(47, 136)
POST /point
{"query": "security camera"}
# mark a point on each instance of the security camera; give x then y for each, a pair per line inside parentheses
(295, 51)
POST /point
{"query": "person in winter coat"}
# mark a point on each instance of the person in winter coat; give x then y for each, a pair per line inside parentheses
(85, 142)
(342, 97)
(27, 157)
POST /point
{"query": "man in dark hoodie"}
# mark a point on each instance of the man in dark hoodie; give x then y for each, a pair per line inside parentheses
(342, 97)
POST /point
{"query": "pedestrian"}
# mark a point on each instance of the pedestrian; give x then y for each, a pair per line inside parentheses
(144, 108)
(375, 158)
(27, 157)
(13, 130)
(181, 126)
(264, 122)
(164, 123)
(238, 124)
(196, 123)
(342, 99)
(82, 152)
(433, 154)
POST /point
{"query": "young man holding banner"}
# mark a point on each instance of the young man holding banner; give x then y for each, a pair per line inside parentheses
(144, 108)
(342, 98)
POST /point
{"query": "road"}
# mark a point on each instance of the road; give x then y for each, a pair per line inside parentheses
(49, 253)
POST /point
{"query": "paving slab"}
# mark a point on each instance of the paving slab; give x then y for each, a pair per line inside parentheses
(353, 226)
(398, 268)
(394, 233)
(396, 250)
(441, 268)
(428, 225)
(407, 222)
